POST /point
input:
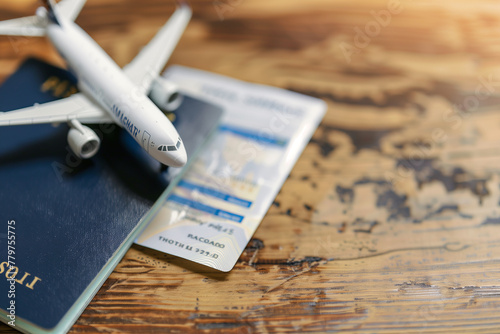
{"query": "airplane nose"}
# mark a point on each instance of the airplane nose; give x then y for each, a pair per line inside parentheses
(179, 158)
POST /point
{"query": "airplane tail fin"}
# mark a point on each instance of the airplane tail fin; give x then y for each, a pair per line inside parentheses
(51, 11)
(35, 25)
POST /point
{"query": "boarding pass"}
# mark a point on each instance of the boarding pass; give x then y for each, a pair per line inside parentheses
(216, 207)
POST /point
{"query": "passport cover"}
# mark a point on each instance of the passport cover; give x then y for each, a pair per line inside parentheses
(74, 219)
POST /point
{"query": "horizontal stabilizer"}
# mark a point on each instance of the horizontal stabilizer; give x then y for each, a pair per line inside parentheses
(34, 25)
(24, 26)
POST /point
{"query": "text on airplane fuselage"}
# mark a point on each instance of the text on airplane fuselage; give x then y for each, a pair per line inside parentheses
(126, 121)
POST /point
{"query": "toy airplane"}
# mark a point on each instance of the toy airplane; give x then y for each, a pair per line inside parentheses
(108, 94)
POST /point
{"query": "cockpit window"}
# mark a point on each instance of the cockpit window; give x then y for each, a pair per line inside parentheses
(163, 148)
(170, 147)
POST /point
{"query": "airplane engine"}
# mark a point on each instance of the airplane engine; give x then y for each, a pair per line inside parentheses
(165, 95)
(83, 141)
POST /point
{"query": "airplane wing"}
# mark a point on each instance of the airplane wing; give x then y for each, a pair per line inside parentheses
(76, 106)
(152, 58)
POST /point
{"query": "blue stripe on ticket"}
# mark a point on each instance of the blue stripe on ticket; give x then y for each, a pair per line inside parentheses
(205, 208)
(215, 193)
(261, 138)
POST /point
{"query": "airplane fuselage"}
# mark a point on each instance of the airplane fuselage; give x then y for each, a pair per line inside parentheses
(100, 78)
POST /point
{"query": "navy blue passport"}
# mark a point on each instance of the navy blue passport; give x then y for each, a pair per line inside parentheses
(72, 220)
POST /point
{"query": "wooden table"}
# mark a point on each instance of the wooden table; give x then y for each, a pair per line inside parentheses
(389, 221)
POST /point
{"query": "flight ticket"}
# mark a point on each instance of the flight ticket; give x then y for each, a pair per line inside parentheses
(220, 201)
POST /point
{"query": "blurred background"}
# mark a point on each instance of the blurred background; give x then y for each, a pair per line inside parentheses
(390, 218)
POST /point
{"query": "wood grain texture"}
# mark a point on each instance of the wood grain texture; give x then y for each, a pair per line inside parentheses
(389, 221)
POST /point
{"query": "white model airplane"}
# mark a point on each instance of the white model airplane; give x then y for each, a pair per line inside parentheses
(108, 93)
